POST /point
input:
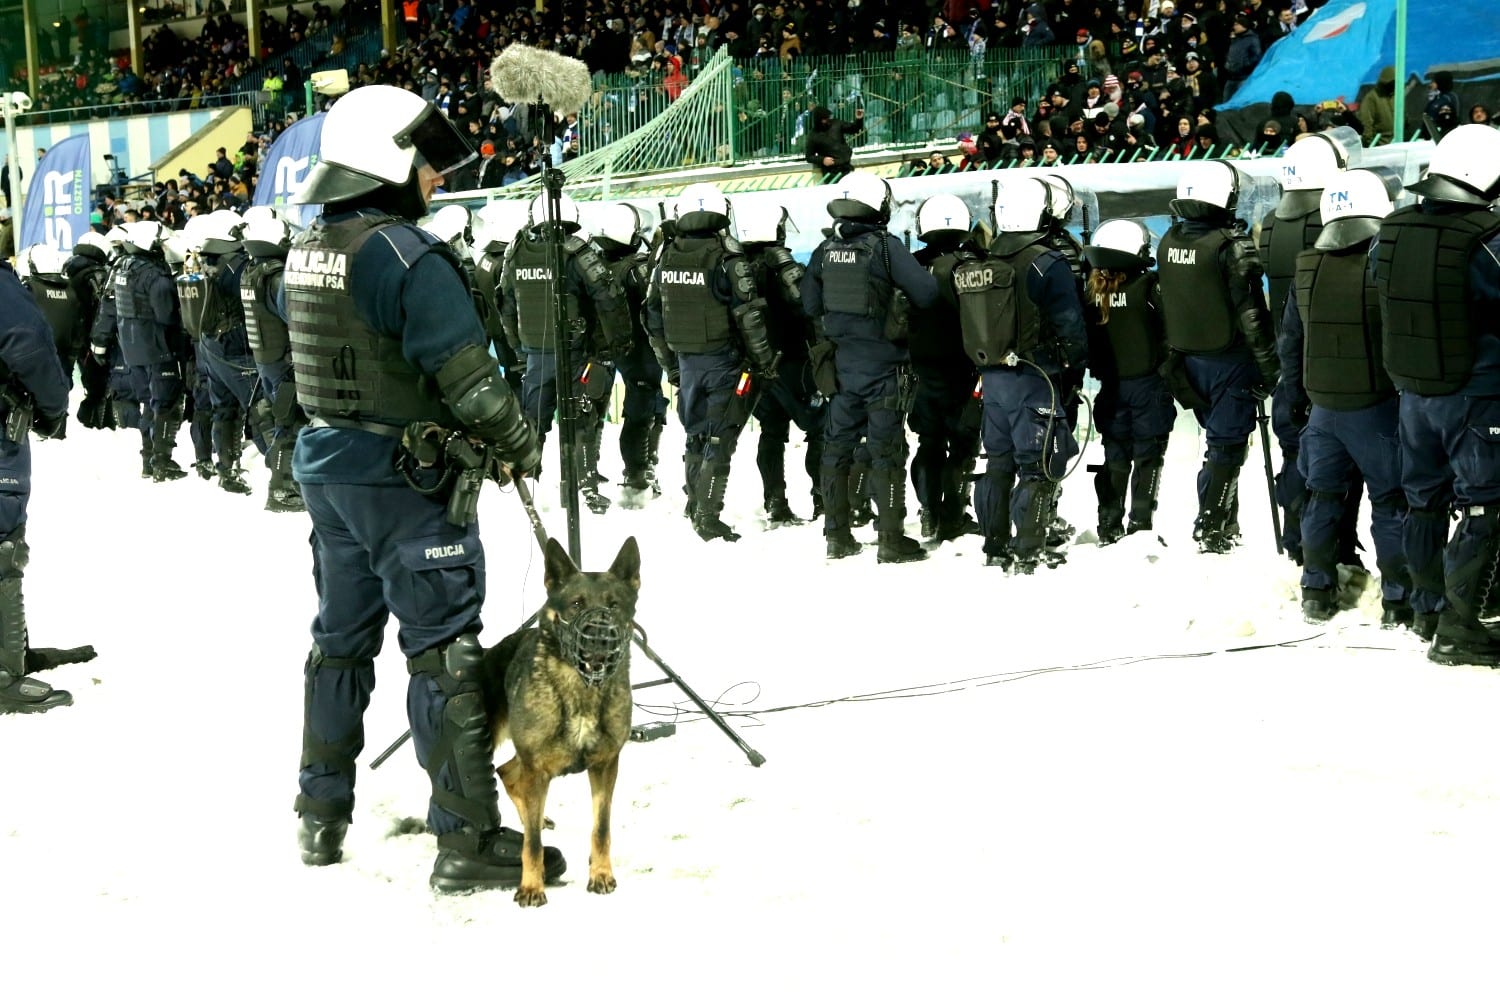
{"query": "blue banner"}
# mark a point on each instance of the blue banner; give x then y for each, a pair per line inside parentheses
(1345, 44)
(284, 172)
(57, 202)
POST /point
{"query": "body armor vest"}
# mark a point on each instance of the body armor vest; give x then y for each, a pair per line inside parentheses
(694, 321)
(487, 274)
(936, 331)
(536, 322)
(848, 283)
(265, 331)
(61, 308)
(995, 311)
(1281, 240)
(192, 299)
(1422, 272)
(346, 370)
(631, 274)
(1340, 310)
(1131, 333)
(1194, 301)
(132, 297)
(786, 323)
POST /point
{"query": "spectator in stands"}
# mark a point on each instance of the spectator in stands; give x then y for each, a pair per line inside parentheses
(1442, 103)
(1271, 139)
(1185, 140)
(1479, 114)
(221, 166)
(991, 140)
(1377, 109)
(827, 143)
(1243, 56)
(1036, 31)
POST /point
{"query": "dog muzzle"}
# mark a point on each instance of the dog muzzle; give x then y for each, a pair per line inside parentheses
(595, 642)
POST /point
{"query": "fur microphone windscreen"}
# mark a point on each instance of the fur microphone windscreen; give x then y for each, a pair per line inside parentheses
(525, 75)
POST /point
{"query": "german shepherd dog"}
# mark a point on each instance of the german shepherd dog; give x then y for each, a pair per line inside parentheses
(560, 691)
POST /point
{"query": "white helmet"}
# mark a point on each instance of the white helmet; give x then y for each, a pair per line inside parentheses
(1314, 161)
(146, 236)
(265, 236)
(861, 196)
(1023, 206)
(499, 221)
(942, 213)
(118, 240)
(221, 232)
(567, 212)
(701, 198)
(378, 135)
(258, 213)
(46, 259)
(764, 226)
(1465, 167)
(93, 245)
(1208, 183)
(1353, 206)
(1061, 198)
(23, 262)
(1120, 245)
(617, 225)
(450, 223)
(175, 249)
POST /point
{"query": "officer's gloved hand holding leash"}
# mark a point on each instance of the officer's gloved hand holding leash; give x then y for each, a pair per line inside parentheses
(434, 458)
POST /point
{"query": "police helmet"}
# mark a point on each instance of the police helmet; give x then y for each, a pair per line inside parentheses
(1120, 245)
(378, 136)
(258, 213)
(146, 236)
(942, 214)
(1061, 198)
(1022, 206)
(499, 221)
(175, 249)
(617, 226)
(567, 212)
(45, 260)
(452, 224)
(1465, 167)
(1353, 205)
(118, 241)
(93, 246)
(1207, 187)
(861, 196)
(762, 227)
(221, 232)
(1315, 160)
(701, 207)
(266, 236)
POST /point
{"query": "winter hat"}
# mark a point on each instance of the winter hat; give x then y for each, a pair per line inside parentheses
(1111, 82)
(1016, 102)
(486, 149)
(1083, 34)
(1191, 57)
(1245, 21)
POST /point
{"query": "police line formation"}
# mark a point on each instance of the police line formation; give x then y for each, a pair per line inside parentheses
(352, 358)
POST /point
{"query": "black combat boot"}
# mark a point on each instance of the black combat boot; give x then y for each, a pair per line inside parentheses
(144, 421)
(1471, 562)
(1214, 529)
(1032, 545)
(890, 503)
(163, 441)
(713, 480)
(653, 449)
(1395, 614)
(283, 496)
(1318, 605)
(322, 840)
(692, 466)
(589, 479)
(1145, 482)
(229, 442)
(861, 512)
(1110, 483)
(953, 518)
(19, 693)
(634, 453)
(836, 515)
(778, 511)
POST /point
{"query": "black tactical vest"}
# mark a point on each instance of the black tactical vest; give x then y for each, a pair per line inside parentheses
(1132, 335)
(786, 323)
(345, 369)
(132, 296)
(60, 307)
(1422, 272)
(996, 313)
(192, 299)
(848, 276)
(936, 337)
(487, 275)
(694, 321)
(532, 286)
(1195, 303)
(631, 274)
(1281, 240)
(265, 331)
(1340, 310)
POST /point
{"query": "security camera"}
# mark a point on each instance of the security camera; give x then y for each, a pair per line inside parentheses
(17, 102)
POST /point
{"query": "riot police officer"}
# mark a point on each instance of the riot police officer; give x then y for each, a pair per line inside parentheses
(1223, 354)
(383, 336)
(1307, 167)
(945, 411)
(275, 413)
(707, 324)
(790, 398)
(1023, 327)
(150, 339)
(65, 301)
(851, 287)
(35, 397)
(87, 272)
(1134, 410)
(213, 315)
(643, 411)
(594, 319)
(1330, 351)
(130, 410)
(1437, 269)
(499, 221)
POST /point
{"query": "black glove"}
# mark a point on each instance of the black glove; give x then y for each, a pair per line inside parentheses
(674, 376)
(45, 657)
(53, 427)
(96, 412)
(771, 370)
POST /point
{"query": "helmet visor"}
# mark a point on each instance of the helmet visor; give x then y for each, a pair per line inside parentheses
(438, 144)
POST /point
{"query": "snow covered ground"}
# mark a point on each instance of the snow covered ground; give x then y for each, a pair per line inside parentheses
(1072, 785)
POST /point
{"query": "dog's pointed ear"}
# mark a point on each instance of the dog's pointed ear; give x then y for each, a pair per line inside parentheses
(627, 565)
(559, 566)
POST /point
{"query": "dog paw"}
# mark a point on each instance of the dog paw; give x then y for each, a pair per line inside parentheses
(602, 884)
(530, 897)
